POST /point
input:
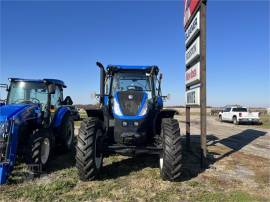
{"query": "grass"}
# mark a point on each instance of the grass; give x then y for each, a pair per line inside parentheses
(123, 179)
(265, 121)
(234, 196)
(83, 115)
(77, 123)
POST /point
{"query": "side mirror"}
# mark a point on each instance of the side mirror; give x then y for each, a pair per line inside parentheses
(67, 101)
(166, 97)
(95, 95)
(51, 88)
(160, 76)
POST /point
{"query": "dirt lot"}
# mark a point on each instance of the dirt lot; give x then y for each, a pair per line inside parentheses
(239, 170)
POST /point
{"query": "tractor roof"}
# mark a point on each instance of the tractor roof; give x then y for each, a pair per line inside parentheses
(147, 68)
(47, 81)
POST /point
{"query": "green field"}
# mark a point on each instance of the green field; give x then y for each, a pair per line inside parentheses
(122, 179)
(265, 121)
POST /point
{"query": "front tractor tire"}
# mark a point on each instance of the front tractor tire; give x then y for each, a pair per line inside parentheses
(171, 156)
(88, 156)
(39, 148)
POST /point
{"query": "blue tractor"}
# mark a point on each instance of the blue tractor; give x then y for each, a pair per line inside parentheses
(33, 120)
(130, 121)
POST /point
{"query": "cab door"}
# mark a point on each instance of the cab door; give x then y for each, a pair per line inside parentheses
(56, 100)
(226, 114)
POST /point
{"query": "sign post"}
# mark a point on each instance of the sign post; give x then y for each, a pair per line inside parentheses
(203, 84)
(195, 76)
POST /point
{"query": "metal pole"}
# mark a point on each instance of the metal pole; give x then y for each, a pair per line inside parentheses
(203, 83)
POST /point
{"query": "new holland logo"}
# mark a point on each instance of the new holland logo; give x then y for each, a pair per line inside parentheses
(130, 97)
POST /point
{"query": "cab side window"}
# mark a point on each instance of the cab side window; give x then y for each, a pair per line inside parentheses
(57, 97)
(156, 82)
(107, 85)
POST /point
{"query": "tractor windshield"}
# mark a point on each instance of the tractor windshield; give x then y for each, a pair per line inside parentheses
(28, 92)
(124, 81)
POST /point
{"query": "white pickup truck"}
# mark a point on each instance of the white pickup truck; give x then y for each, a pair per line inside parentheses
(239, 115)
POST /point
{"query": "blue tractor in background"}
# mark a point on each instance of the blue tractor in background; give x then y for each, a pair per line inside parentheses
(130, 121)
(34, 119)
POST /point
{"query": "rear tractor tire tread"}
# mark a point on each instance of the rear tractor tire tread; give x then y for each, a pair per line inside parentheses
(172, 150)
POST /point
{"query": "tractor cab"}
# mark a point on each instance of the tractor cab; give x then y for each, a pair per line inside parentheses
(132, 99)
(46, 93)
(26, 91)
(131, 90)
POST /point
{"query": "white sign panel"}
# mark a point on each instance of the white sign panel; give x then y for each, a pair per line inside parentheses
(193, 96)
(193, 28)
(193, 51)
(193, 74)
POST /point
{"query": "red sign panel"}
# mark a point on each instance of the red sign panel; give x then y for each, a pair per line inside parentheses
(190, 7)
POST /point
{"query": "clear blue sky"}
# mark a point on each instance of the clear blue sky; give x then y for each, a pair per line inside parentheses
(63, 39)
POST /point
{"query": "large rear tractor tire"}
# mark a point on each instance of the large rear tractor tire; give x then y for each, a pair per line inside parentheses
(38, 149)
(66, 133)
(88, 155)
(171, 157)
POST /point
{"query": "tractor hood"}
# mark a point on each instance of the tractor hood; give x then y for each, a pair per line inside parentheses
(8, 111)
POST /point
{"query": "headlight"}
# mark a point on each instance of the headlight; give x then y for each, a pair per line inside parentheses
(4, 127)
(116, 108)
(144, 109)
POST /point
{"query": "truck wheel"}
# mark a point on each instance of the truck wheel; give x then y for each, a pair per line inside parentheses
(66, 133)
(171, 157)
(39, 148)
(220, 118)
(88, 156)
(235, 122)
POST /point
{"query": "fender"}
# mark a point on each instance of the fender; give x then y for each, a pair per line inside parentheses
(59, 115)
(164, 113)
(95, 113)
(167, 113)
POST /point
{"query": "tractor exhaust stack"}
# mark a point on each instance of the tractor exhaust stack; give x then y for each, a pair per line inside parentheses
(102, 80)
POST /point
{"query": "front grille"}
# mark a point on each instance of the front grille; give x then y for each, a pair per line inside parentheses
(130, 102)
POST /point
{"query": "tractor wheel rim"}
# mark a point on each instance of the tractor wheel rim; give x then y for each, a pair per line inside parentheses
(161, 162)
(45, 150)
(98, 160)
(161, 154)
(69, 141)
